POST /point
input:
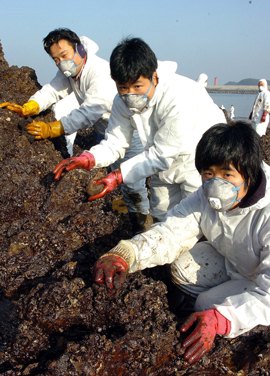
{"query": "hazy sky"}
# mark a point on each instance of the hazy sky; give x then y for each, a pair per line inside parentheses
(224, 39)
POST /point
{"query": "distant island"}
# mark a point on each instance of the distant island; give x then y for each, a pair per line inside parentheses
(246, 82)
(246, 86)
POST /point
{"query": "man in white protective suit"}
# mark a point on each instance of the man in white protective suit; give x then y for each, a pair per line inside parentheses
(170, 113)
(228, 275)
(259, 115)
(82, 93)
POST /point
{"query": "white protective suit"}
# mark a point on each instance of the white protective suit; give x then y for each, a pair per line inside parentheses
(169, 128)
(202, 79)
(231, 112)
(241, 237)
(88, 103)
(261, 104)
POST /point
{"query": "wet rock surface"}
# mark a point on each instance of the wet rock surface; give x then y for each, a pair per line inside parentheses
(53, 319)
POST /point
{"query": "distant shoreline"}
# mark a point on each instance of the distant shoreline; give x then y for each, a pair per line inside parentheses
(230, 89)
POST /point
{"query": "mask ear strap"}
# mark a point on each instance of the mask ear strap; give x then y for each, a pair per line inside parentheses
(237, 188)
(238, 200)
(145, 95)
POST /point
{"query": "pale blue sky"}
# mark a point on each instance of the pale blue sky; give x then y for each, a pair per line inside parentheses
(224, 39)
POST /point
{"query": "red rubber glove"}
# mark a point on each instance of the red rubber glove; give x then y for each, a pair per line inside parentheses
(263, 118)
(85, 160)
(250, 116)
(209, 324)
(110, 182)
(105, 269)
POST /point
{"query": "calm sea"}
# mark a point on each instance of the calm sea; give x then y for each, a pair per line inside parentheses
(242, 103)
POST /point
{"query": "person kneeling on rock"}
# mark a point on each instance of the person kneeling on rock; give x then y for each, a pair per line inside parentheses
(170, 113)
(82, 91)
(228, 275)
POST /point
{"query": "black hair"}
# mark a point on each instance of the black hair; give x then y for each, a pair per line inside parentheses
(58, 34)
(237, 143)
(131, 59)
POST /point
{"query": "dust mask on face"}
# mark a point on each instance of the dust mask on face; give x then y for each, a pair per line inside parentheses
(68, 67)
(136, 102)
(220, 193)
(261, 88)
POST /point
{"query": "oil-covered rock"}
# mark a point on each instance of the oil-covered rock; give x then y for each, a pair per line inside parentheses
(53, 319)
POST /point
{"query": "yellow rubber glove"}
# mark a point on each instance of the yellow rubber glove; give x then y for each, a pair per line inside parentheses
(45, 130)
(28, 109)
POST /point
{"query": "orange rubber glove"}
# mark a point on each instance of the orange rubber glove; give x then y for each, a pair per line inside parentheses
(105, 269)
(110, 182)
(45, 130)
(28, 109)
(209, 324)
(85, 160)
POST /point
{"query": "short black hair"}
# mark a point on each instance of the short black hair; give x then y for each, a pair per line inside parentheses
(58, 34)
(237, 143)
(131, 59)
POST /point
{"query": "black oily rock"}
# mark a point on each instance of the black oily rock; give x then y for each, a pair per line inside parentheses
(54, 320)
(23, 131)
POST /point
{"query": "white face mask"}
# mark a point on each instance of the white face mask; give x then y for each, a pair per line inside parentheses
(136, 102)
(261, 88)
(220, 193)
(68, 67)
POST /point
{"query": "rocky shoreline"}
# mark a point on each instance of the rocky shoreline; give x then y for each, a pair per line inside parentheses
(54, 320)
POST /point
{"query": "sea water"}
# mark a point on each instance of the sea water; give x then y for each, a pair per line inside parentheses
(242, 103)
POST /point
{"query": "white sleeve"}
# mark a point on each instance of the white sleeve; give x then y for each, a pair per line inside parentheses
(167, 240)
(117, 137)
(99, 92)
(57, 89)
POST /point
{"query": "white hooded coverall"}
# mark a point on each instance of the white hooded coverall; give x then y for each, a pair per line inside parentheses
(231, 112)
(202, 79)
(261, 104)
(169, 127)
(86, 104)
(230, 271)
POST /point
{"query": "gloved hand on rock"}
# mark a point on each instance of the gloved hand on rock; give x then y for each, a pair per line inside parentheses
(112, 267)
(45, 130)
(107, 267)
(110, 182)
(85, 160)
(28, 109)
(209, 324)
